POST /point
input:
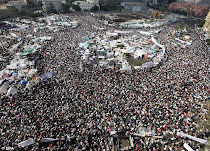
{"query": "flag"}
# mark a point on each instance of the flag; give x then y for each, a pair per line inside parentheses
(46, 76)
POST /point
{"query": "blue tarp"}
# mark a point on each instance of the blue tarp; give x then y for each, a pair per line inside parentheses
(46, 76)
(23, 82)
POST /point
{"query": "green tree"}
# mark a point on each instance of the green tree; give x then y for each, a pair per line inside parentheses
(76, 7)
(110, 5)
(35, 15)
(65, 8)
(51, 9)
(208, 41)
(39, 4)
(69, 2)
(94, 8)
(3, 1)
(201, 23)
(30, 3)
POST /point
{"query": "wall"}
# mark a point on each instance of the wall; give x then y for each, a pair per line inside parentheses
(206, 26)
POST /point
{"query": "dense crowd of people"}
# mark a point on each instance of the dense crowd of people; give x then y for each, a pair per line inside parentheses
(81, 107)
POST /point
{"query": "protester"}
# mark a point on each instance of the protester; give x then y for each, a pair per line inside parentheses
(80, 108)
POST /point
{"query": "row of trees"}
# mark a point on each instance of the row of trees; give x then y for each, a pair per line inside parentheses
(32, 7)
(108, 6)
(65, 8)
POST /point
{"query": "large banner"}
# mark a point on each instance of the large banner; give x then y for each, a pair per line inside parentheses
(203, 141)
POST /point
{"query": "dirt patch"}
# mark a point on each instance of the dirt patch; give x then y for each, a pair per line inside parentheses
(136, 62)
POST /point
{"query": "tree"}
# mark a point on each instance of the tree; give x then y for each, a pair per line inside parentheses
(30, 3)
(3, 1)
(76, 7)
(35, 15)
(51, 9)
(69, 2)
(94, 8)
(39, 4)
(110, 5)
(65, 8)
(201, 23)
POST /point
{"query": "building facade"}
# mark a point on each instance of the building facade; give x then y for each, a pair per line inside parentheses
(134, 6)
(190, 8)
(206, 26)
(18, 4)
(87, 5)
(56, 3)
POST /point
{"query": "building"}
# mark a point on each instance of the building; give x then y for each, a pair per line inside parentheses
(56, 3)
(18, 4)
(87, 5)
(190, 8)
(206, 26)
(203, 2)
(3, 7)
(134, 6)
(163, 1)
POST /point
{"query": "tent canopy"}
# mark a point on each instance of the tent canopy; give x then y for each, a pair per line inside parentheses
(26, 52)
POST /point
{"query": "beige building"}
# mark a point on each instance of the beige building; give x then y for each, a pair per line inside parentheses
(206, 26)
(16, 3)
(3, 7)
(56, 3)
(87, 5)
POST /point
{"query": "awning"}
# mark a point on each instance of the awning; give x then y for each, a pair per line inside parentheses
(26, 52)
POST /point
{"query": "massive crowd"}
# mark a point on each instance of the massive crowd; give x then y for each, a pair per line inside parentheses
(81, 107)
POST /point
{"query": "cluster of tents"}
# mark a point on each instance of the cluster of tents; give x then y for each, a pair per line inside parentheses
(147, 24)
(20, 72)
(113, 46)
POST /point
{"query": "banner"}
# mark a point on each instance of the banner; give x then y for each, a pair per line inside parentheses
(192, 137)
(46, 76)
(188, 147)
(48, 139)
(26, 142)
(12, 90)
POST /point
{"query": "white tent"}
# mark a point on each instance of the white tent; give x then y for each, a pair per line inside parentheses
(18, 63)
(111, 34)
(4, 89)
(123, 32)
(15, 47)
(161, 46)
(113, 132)
(12, 90)
(14, 35)
(138, 53)
(32, 71)
(125, 66)
(26, 143)
(145, 33)
(29, 85)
